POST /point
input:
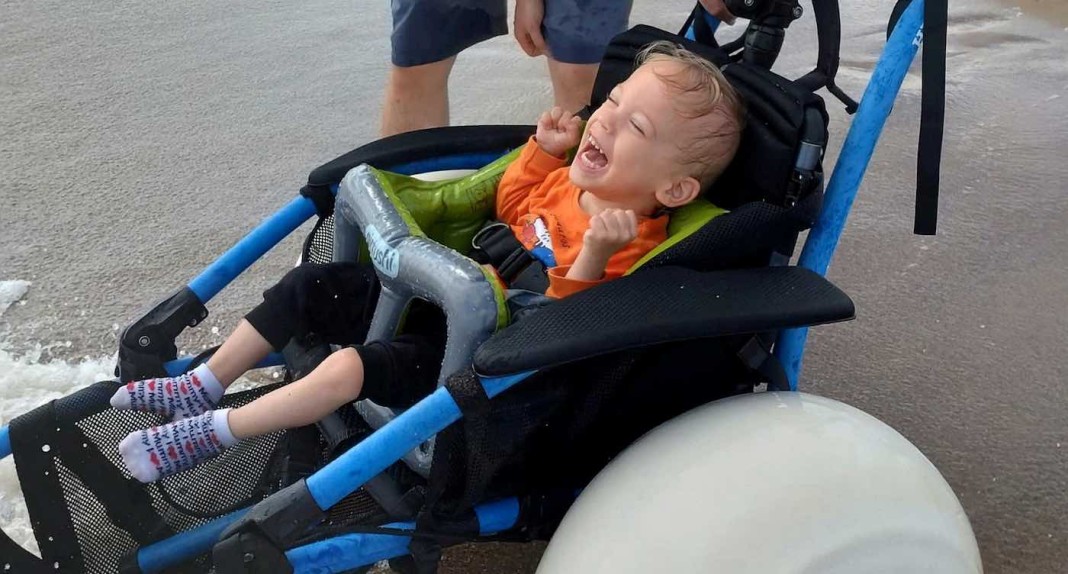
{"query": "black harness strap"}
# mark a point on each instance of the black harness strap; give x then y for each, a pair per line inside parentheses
(496, 245)
(755, 355)
(321, 196)
(932, 110)
(932, 115)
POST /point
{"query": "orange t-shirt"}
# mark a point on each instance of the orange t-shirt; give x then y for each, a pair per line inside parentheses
(538, 201)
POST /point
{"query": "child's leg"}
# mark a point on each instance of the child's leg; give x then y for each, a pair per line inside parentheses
(160, 451)
(239, 352)
(398, 372)
(334, 383)
(334, 300)
(199, 390)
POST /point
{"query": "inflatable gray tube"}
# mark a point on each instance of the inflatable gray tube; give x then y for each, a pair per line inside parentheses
(410, 267)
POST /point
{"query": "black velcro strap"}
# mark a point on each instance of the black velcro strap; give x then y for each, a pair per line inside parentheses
(321, 196)
(932, 115)
(467, 390)
(755, 355)
(702, 32)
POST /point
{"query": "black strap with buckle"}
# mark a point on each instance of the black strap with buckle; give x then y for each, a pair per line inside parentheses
(496, 245)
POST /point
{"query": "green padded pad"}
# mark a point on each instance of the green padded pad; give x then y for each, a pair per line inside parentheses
(685, 221)
(449, 211)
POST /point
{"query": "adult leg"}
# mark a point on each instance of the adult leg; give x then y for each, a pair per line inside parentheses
(426, 38)
(577, 32)
(572, 83)
(417, 97)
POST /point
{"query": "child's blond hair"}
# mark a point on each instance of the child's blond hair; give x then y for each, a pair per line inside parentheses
(711, 151)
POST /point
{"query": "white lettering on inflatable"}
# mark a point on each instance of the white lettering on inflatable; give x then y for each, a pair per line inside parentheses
(385, 258)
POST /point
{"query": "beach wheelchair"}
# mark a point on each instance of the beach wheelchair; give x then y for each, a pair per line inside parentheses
(526, 415)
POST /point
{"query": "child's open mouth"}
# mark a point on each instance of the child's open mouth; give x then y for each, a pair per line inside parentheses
(592, 156)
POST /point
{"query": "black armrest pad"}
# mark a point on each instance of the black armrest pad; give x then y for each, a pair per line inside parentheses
(422, 144)
(662, 305)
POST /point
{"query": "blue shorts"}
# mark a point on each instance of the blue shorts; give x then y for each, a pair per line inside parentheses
(576, 31)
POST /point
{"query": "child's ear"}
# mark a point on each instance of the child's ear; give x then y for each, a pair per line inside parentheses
(680, 193)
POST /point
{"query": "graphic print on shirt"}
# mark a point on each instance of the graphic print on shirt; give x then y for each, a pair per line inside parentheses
(536, 239)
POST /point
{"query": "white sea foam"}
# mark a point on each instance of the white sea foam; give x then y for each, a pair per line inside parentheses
(25, 383)
(11, 291)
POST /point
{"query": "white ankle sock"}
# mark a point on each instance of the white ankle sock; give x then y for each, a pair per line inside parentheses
(157, 452)
(178, 397)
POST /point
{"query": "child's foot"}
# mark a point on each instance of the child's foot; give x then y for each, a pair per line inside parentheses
(178, 397)
(153, 453)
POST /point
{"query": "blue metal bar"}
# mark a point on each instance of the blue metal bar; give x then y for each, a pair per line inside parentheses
(181, 364)
(351, 551)
(5, 442)
(346, 473)
(494, 517)
(712, 21)
(372, 455)
(251, 247)
(462, 161)
(181, 547)
(275, 228)
(849, 171)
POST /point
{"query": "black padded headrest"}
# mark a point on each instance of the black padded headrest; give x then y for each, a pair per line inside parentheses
(780, 115)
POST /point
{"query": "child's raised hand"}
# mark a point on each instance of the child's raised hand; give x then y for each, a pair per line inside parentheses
(558, 131)
(610, 231)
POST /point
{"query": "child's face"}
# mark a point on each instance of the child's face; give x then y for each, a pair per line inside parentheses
(630, 154)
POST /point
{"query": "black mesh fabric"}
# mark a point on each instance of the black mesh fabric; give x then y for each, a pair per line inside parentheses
(745, 237)
(87, 512)
(319, 246)
(556, 430)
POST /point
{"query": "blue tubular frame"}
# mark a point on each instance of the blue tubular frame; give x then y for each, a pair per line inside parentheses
(351, 551)
(346, 473)
(371, 456)
(460, 161)
(181, 365)
(286, 220)
(857, 150)
(711, 20)
(232, 263)
(5, 442)
(173, 551)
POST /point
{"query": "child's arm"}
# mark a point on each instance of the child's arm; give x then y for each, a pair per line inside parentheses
(558, 131)
(610, 231)
(610, 246)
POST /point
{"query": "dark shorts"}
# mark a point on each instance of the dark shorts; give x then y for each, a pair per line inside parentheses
(576, 31)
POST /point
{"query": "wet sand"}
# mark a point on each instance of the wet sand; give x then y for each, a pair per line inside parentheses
(1051, 11)
(137, 141)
